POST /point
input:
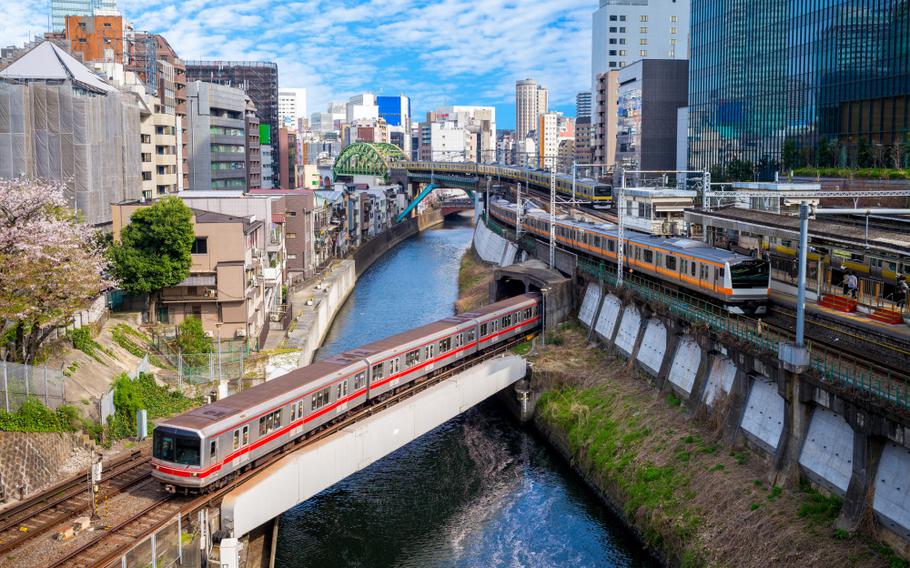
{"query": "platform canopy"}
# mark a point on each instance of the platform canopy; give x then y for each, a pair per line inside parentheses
(363, 158)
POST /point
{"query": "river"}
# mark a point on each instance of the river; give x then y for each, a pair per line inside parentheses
(479, 491)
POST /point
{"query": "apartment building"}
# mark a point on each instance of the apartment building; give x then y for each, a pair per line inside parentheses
(226, 288)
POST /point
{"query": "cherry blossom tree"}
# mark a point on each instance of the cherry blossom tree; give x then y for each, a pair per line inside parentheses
(51, 265)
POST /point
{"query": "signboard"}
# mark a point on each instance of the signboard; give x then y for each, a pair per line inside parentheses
(265, 134)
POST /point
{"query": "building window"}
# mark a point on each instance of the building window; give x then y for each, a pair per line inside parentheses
(612, 18)
(612, 52)
(643, 29)
(292, 213)
(622, 18)
(292, 257)
(622, 41)
(643, 52)
(613, 29)
(643, 18)
(643, 41)
(612, 41)
(292, 235)
(622, 52)
(622, 30)
(612, 64)
(674, 19)
(200, 246)
(673, 31)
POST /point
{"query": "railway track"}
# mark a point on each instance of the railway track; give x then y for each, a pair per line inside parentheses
(40, 513)
(110, 544)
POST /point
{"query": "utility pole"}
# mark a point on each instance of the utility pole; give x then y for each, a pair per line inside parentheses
(552, 216)
(621, 233)
(518, 211)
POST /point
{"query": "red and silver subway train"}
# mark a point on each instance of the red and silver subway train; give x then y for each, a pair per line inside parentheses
(740, 283)
(207, 446)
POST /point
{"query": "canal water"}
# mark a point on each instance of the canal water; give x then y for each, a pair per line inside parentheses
(479, 491)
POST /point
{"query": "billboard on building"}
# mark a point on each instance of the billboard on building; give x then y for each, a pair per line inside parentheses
(265, 135)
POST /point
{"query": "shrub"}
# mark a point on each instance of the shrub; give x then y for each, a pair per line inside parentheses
(193, 343)
(143, 393)
(83, 341)
(33, 416)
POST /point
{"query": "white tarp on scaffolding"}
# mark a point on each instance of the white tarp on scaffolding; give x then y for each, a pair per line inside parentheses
(76, 129)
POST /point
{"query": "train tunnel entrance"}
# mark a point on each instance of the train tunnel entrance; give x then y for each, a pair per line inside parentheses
(533, 276)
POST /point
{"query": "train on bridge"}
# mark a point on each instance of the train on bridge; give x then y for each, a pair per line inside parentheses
(206, 447)
(600, 194)
(740, 283)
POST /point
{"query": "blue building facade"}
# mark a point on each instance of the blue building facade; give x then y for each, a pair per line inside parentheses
(785, 84)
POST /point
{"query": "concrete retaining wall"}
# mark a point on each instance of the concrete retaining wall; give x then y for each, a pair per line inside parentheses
(492, 248)
(685, 366)
(653, 346)
(800, 423)
(827, 454)
(370, 251)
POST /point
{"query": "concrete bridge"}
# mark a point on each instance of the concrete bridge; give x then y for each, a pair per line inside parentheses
(248, 515)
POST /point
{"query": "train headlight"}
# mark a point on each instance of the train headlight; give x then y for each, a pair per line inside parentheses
(194, 474)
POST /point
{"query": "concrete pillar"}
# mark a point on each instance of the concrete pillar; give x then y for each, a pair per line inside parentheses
(259, 546)
(696, 399)
(737, 398)
(611, 343)
(603, 296)
(673, 336)
(797, 415)
(867, 451)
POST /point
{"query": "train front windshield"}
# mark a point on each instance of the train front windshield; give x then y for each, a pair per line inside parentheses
(176, 446)
(750, 274)
(603, 190)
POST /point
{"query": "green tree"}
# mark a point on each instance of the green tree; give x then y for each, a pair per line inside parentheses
(154, 249)
(740, 170)
(192, 341)
(824, 154)
(789, 155)
(863, 154)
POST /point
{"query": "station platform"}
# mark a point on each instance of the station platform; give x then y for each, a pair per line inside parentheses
(899, 333)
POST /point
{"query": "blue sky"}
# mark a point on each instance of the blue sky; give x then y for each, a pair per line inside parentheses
(438, 53)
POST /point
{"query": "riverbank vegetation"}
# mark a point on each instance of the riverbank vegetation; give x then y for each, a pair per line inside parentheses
(691, 498)
(474, 278)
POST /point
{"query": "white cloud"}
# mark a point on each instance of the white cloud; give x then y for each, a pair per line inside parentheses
(444, 51)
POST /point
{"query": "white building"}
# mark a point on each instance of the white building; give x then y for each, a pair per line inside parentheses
(442, 141)
(362, 106)
(531, 100)
(625, 31)
(479, 123)
(292, 107)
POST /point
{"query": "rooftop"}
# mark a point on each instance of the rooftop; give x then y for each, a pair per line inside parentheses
(47, 62)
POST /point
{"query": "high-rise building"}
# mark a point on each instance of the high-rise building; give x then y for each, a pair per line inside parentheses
(625, 31)
(291, 107)
(253, 151)
(60, 9)
(584, 141)
(479, 123)
(361, 106)
(259, 79)
(553, 128)
(531, 100)
(287, 159)
(603, 123)
(396, 112)
(829, 79)
(583, 105)
(216, 126)
(650, 92)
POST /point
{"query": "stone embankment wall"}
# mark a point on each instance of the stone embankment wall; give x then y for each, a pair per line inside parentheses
(492, 248)
(29, 461)
(801, 426)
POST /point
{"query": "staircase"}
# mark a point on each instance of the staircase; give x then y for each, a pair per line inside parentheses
(888, 316)
(839, 303)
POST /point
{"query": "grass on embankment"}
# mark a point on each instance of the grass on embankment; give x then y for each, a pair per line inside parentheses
(474, 277)
(698, 502)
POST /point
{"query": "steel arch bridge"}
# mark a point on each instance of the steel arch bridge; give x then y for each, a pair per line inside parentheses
(364, 158)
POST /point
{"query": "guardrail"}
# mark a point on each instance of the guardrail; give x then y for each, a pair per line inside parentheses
(831, 366)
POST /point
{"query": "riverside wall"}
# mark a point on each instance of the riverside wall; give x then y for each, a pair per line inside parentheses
(315, 317)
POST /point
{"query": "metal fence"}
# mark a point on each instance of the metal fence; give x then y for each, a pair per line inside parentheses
(226, 362)
(831, 366)
(19, 382)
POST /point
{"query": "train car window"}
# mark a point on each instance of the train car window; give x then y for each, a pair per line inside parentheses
(341, 390)
(376, 373)
(704, 272)
(293, 412)
(236, 439)
(469, 336)
(412, 358)
(611, 246)
(213, 448)
(262, 428)
(684, 266)
(718, 273)
(693, 268)
(649, 256)
(445, 345)
(483, 329)
(671, 262)
(245, 435)
(300, 409)
(506, 321)
(359, 377)
(320, 398)
(459, 340)
(658, 258)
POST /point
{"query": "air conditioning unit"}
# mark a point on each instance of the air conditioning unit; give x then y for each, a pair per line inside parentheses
(210, 293)
(240, 333)
(209, 334)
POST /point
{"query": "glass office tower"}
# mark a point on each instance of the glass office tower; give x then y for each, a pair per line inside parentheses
(826, 81)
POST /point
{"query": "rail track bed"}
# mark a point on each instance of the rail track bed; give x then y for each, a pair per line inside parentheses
(68, 499)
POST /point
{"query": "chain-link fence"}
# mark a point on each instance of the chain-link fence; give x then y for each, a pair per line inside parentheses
(19, 382)
(225, 362)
